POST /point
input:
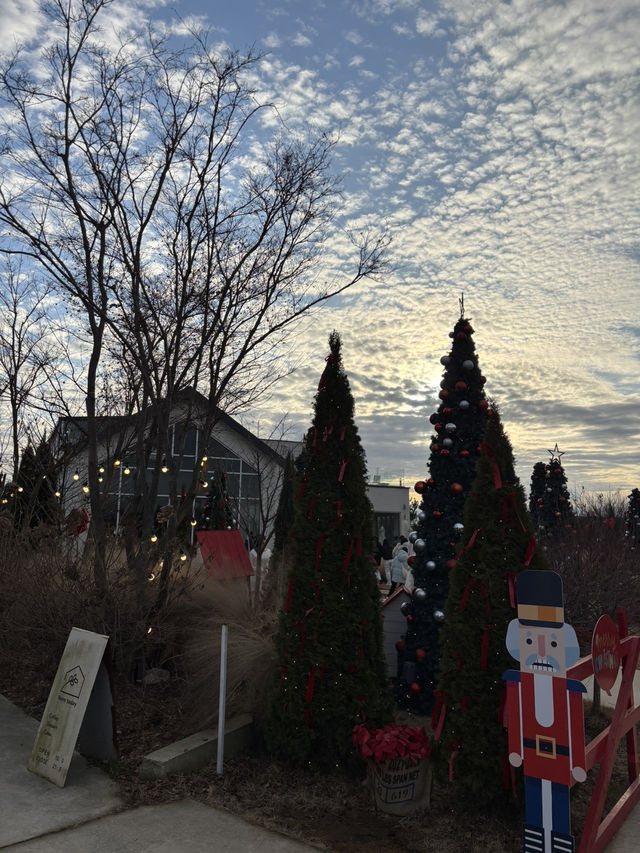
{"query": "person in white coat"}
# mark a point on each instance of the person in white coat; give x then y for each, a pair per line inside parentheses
(399, 568)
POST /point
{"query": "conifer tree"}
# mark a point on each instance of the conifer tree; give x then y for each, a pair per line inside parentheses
(632, 518)
(34, 493)
(549, 500)
(497, 544)
(459, 426)
(332, 672)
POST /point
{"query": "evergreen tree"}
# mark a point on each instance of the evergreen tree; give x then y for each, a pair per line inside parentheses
(216, 513)
(34, 501)
(632, 518)
(549, 501)
(497, 544)
(331, 663)
(459, 426)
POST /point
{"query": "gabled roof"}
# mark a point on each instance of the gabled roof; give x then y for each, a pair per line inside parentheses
(398, 592)
(223, 554)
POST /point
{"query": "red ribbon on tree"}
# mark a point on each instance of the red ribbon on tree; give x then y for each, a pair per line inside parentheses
(347, 559)
(483, 590)
(497, 479)
(328, 430)
(308, 696)
(301, 489)
(343, 465)
(441, 706)
(511, 581)
(485, 647)
(470, 543)
(454, 746)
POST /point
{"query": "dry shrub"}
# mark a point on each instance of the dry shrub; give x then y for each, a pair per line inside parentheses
(47, 588)
(250, 656)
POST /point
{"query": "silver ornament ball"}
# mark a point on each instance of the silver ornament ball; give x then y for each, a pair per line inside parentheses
(430, 566)
(447, 442)
(422, 515)
(458, 527)
(467, 364)
(419, 594)
(438, 615)
(450, 427)
(413, 536)
(419, 545)
(445, 360)
(464, 404)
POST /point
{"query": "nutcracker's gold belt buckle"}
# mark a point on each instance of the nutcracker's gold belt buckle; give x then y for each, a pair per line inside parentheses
(545, 746)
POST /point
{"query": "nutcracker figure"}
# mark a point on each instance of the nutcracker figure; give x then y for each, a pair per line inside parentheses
(544, 711)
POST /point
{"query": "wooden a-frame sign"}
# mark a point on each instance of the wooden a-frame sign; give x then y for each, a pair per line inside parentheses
(71, 694)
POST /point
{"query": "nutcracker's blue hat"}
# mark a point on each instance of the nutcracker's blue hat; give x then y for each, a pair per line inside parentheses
(540, 599)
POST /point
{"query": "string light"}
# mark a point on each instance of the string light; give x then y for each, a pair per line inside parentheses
(116, 463)
(57, 494)
(154, 538)
(85, 488)
(164, 468)
(20, 489)
(183, 556)
(193, 522)
(151, 577)
(149, 629)
(99, 479)
(101, 469)
(127, 470)
(204, 458)
(76, 476)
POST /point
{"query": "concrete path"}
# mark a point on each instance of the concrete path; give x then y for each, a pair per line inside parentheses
(88, 816)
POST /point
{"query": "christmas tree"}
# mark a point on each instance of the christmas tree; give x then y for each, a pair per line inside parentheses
(549, 501)
(332, 672)
(216, 513)
(497, 544)
(632, 518)
(459, 426)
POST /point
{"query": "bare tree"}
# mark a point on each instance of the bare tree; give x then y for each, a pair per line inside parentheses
(26, 352)
(134, 180)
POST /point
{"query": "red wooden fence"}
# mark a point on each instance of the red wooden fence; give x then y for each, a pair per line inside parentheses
(597, 833)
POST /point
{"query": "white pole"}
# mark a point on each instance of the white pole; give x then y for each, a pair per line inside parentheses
(223, 696)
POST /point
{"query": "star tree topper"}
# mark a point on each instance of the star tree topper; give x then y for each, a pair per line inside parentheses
(555, 453)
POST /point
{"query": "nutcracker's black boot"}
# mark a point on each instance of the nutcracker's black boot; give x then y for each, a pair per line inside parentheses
(561, 843)
(533, 839)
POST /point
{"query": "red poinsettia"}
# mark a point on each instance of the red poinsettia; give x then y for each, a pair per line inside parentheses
(393, 741)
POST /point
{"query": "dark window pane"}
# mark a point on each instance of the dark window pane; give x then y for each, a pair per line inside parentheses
(250, 486)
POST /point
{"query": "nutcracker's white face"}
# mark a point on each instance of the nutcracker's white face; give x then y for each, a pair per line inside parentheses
(542, 650)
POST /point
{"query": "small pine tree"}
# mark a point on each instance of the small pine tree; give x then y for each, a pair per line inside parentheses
(216, 513)
(459, 426)
(331, 663)
(498, 542)
(632, 519)
(34, 502)
(549, 500)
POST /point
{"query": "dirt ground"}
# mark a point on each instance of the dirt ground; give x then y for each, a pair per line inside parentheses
(334, 812)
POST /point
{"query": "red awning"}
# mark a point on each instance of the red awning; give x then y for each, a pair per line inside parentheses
(223, 554)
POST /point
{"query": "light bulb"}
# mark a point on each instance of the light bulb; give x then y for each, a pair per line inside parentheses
(57, 494)
(151, 577)
(85, 488)
(127, 470)
(116, 463)
(164, 468)
(154, 538)
(193, 522)
(20, 489)
(183, 556)
(76, 476)
(101, 469)
(204, 458)
(99, 479)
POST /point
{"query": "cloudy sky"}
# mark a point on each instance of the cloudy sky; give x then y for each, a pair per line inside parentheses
(498, 144)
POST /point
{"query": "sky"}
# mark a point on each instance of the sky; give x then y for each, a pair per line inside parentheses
(497, 142)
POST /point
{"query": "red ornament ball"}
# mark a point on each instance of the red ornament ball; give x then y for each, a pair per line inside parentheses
(446, 452)
(450, 564)
(400, 645)
(409, 618)
(435, 448)
(443, 394)
(437, 513)
(420, 654)
(483, 379)
(414, 688)
(457, 488)
(431, 482)
(482, 404)
(464, 453)
(468, 329)
(434, 418)
(411, 560)
(439, 427)
(419, 487)
(461, 386)
(461, 336)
